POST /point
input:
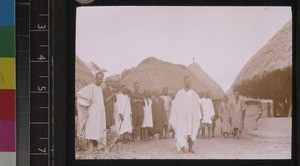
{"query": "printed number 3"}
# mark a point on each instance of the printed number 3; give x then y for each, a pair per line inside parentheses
(41, 26)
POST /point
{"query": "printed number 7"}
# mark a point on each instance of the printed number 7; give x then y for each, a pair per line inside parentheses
(42, 150)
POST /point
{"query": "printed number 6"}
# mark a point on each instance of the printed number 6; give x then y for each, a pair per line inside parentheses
(41, 88)
(41, 26)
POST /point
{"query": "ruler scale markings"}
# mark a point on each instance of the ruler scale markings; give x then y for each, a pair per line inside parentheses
(39, 30)
(39, 92)
(43, 15)
(17, 35)
(49, 95)
(44, 138)
(22, 51)
(40, 85)
(23, 3)
(40, 61)
(20, 19)
(37, 123)
(39, 153)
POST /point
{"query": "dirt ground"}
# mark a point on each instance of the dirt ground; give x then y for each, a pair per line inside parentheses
(247, 147)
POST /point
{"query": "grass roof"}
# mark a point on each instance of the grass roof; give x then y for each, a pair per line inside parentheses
(153, 73)
(271, 61)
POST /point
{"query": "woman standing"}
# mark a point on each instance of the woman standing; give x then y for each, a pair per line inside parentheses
(225, 115)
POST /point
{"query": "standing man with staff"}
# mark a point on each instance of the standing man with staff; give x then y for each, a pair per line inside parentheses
(185, 116)
(124, 108)
(110, 98)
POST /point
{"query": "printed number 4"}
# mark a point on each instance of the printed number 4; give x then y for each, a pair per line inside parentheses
(41, 58)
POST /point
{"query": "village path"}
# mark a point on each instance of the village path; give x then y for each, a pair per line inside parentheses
(248, 147)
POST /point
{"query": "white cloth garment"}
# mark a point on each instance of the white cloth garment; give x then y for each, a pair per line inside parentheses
(208, 110)
(81, 120)
(168, 105)
(185, 116)
(148, 121)
(91, 96)
(124, 108)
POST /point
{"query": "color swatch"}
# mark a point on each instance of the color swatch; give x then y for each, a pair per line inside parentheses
(7, 83)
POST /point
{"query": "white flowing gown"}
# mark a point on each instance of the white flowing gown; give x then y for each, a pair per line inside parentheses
(208, 110)
(148, 120)
(124, 108)
(185, 116)
(91, 96)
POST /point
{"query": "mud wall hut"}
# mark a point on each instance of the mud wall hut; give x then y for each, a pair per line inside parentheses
(268, 74)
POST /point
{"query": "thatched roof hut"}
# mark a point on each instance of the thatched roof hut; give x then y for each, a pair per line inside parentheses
(83, 76)
(152, 74)
(268, 74)
(212, 87)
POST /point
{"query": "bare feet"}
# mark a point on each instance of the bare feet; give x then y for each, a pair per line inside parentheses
(192, 151)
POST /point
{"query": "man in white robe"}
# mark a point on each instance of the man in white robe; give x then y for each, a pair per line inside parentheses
(124, 110)
(208, 114)
(185, 116)
(91, 113)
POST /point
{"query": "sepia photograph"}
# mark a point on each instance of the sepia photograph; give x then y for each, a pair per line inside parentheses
(183, 82)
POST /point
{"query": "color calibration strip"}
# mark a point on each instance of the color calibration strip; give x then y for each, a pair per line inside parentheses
(7, 83)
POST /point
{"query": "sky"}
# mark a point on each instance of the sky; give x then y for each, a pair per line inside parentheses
(222, 39)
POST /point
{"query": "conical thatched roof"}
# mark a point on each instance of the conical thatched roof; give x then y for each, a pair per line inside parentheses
(270, 68)
(212, 87)
(83, 76)
(152, 74)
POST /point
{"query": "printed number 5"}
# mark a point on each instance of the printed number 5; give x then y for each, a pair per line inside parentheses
(41, 88)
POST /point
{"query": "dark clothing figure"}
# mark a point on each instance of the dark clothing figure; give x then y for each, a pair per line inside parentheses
(159, 115)
(109, 106)
(137, 104)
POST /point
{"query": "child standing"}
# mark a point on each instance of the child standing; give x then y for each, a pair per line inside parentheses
(148, 122)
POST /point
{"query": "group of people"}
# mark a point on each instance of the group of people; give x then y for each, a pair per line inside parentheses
(139, 116)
